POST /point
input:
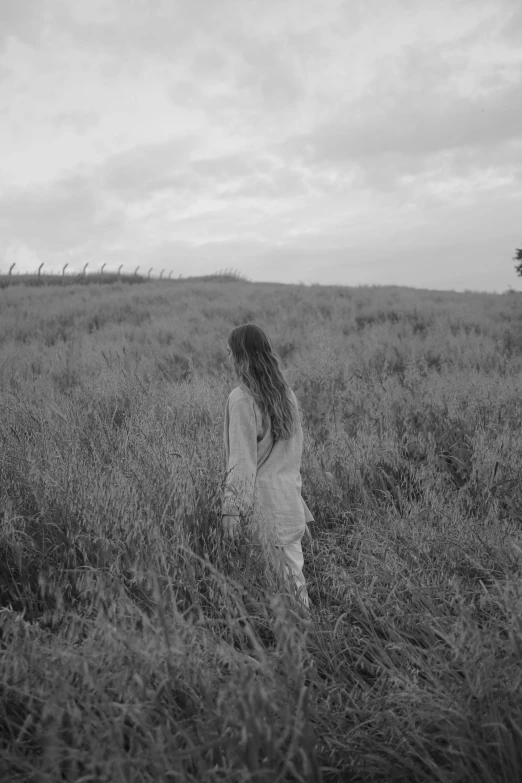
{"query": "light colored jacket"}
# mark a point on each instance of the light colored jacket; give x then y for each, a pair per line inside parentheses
(263, 477)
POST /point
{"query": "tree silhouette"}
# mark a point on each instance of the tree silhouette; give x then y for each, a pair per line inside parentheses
(518, 257)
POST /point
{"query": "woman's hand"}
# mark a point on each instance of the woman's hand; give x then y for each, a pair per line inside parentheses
(230, 526)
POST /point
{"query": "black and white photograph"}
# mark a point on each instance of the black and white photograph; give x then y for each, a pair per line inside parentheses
(261, 391)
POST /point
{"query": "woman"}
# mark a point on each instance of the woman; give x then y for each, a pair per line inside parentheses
(263, 448)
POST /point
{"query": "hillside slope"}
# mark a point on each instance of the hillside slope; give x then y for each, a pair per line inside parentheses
(138, 642)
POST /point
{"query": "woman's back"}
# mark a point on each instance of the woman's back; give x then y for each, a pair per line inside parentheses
(264, 473)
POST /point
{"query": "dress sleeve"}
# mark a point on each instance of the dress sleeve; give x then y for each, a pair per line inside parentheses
(238, 497)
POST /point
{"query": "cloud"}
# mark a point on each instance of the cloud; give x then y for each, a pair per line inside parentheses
(224, 166)
(111, 203)
(416, 122)
(193, 257)
(512, 27)
(63, 216)
(233, 51)
(270, 71)
(146, 169)
(273, 184)
(5, 74)
(413, 121)
(23, 20)
(143, 29)
(463, 250)
(80, 121)
(203, 133)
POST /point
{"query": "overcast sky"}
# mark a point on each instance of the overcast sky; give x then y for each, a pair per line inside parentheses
(329, 141)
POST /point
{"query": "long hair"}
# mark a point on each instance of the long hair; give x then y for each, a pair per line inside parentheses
(257, 367)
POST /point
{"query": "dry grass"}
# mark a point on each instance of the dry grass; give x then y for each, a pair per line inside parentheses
(136, 645)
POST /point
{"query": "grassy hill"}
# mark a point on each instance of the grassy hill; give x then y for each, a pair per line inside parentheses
(8, 281)
(108, 278)
(138, 645)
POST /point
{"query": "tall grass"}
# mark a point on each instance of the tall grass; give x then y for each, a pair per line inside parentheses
(137, 645)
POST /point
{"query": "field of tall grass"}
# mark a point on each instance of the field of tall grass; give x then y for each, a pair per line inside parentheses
(137, 645)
